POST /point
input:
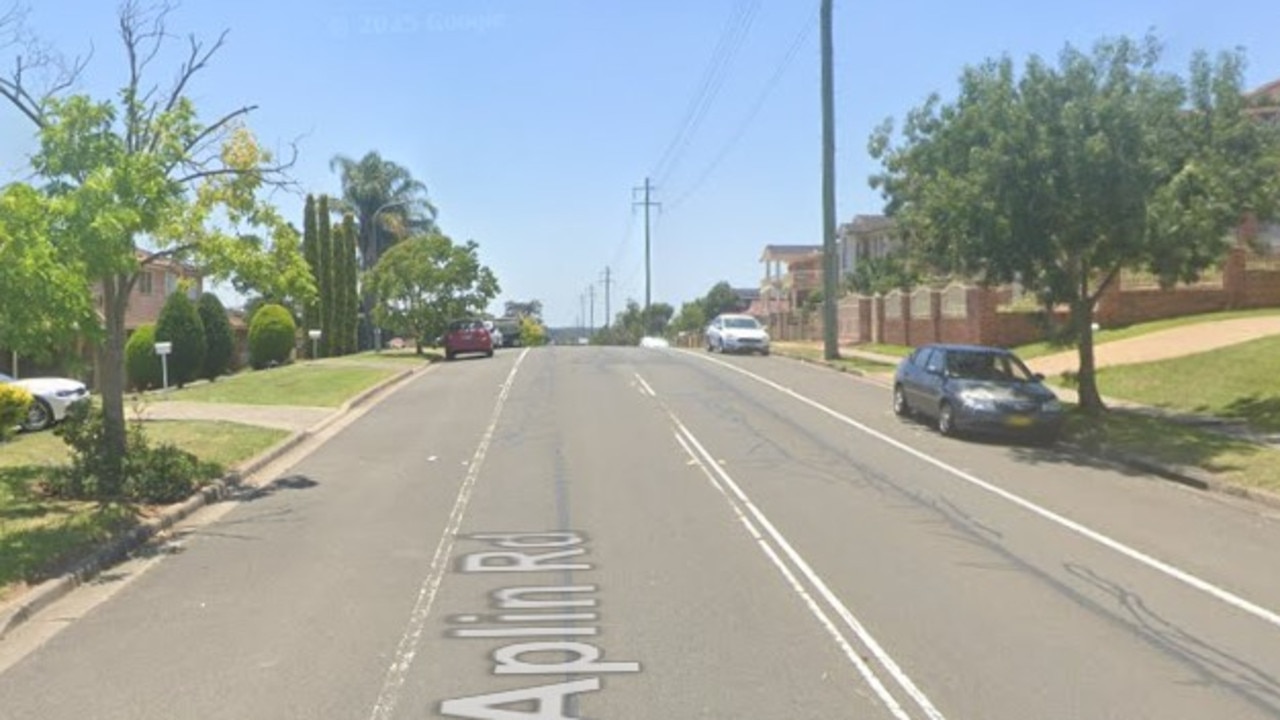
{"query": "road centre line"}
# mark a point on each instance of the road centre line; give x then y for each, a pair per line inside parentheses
(1150, 561)
(738, 500)
(408, 646)
(850, 653)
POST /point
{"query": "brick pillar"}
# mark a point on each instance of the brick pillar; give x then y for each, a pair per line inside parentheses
(935, 314)
(1234, 279)
(877, 319)
(905, 300)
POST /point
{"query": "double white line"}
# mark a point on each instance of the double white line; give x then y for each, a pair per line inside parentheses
(784, 557)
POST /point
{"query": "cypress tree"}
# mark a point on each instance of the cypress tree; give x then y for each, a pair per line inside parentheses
(311, 251)
(325, 254)
(350, 300)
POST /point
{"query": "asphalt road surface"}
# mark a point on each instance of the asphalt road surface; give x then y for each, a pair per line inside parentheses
(627, 533)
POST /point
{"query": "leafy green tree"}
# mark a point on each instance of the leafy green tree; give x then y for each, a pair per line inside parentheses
(219, 340)
(180, 324)
(272, 335)
(692, 318)
(1065, 175)
(141, 361)
(46, 304)
(720, 299)
(422, 283)
(311, 250)
(137, 178)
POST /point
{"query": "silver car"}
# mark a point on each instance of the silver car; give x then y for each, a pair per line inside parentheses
(731, 333)
(52, 398)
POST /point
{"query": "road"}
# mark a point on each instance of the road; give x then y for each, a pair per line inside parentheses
(627, 533)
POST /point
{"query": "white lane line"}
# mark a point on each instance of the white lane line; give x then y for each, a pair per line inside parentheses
(1154, 563)
(890, 666)
(408, 647)
(852, 655)
(648, 390)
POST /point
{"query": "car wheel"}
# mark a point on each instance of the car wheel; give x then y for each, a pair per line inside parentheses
(765, 353)
(947, 420)
(448, 355)
(39, 416)
(900, 407)
(489, 354)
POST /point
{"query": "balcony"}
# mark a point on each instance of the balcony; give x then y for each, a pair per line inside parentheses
(802, 280)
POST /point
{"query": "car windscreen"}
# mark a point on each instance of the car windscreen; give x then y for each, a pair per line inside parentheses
(465, 325)
(746, 323)
(990, 366)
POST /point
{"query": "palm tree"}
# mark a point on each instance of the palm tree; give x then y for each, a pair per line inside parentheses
(370, 184)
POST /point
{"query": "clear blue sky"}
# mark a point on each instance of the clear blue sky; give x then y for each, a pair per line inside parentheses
(531, 122)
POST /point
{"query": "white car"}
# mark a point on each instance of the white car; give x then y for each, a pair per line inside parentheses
(52, 398)
(654, 342)
(737, 333)
(494, 333)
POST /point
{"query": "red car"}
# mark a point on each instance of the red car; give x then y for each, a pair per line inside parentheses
(467, 336)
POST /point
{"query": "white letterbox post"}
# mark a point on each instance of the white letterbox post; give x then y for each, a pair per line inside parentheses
(163, 349)
(315, 339)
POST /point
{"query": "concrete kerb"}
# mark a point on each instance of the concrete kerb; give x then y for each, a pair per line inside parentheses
(1188, 476)
(41, 596)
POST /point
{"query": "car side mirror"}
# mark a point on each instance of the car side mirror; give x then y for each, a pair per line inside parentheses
(1039, 377)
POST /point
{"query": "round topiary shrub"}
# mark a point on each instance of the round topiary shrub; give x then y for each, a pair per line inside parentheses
(141, 363)
(180, 324)
(271, 336)
(219, 342)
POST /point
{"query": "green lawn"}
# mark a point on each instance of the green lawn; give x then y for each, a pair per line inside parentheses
(318, 384)
(808, 351)
(1106, 335)
(38, 535)
(1231, 460)
(1240, 382)
(407, 356)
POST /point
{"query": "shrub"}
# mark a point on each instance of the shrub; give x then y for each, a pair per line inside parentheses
(153, 475)
(164, 474)
(271, 336)
(180, 324)
(141, 363)
(219, 342)
(14, 403)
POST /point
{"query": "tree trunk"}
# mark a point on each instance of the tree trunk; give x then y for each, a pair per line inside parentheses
(111, 356)
(1090, 399)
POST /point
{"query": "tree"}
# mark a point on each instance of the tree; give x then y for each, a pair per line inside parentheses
(879, 275)
(347, 298)
(143, 364)
(532, 332)
(422, 283)
(371, 184)
(41, 279)
(325, 284)
(523, 309)
(692, 318)
(720, 299)
(1066, 175)
(219, 341)
(311, 250)
(138, 178)
(180, 324)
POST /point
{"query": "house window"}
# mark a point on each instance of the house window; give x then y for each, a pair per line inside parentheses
(170, 283)
(144, 283)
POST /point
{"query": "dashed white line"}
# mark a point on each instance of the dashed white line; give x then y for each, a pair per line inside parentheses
(644, 385)
(408, 646)
(1154, 563)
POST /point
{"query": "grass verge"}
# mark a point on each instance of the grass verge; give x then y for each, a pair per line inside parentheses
(1178, 445)
(1236, 382)
(814, 353)
(317, 384)
(40, 536)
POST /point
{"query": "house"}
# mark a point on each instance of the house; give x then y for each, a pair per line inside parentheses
(867, 236)
(1264, 102)
(791, 272)
(154, 285)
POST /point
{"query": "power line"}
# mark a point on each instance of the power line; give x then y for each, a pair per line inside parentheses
(713, 79)
(796, 45)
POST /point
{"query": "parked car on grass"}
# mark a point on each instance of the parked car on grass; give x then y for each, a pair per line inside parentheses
(467, 337)
(976, 388)
(52, 398)
(732, 332)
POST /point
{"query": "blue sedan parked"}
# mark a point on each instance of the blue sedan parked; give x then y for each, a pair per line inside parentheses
(975, 388)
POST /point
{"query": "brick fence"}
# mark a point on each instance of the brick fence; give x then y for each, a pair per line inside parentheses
(961, 313)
